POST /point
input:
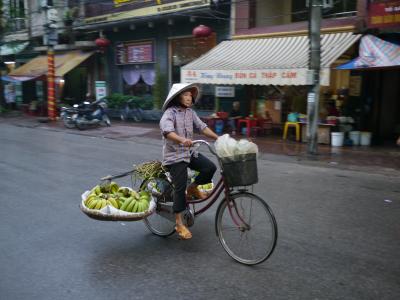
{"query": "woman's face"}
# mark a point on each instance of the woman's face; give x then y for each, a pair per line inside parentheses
(185, 99)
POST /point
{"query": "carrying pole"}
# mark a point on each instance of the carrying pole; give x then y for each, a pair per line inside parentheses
(314, 33)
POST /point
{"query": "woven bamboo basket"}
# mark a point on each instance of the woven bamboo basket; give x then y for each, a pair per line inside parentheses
(110, 213)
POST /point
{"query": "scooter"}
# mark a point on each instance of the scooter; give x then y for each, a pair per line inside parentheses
(85, 115)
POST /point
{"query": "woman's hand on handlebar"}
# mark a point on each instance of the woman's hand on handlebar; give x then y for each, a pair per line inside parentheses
(187, 142)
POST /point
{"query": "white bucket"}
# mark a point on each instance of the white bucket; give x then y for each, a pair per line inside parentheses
(355, 137)
(365, 138)
(337, 139)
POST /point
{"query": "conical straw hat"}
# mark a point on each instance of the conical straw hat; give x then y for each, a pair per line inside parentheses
(178, 88)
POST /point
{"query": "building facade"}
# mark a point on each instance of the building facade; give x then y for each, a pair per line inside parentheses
(267, 63)
(150, 41)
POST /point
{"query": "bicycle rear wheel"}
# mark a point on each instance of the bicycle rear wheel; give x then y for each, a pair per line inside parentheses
(156, 223)
(159, 225)
(246, 228)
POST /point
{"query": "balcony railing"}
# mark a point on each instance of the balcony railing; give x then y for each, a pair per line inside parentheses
(15, 24)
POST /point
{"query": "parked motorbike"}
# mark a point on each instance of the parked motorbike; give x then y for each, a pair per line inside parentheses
(131, 111)
(85, 115)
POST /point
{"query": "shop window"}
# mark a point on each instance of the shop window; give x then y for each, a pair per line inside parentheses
(272, 13)
(185, 50)
(343, 8)
(16, 15)
(138, 89)
(207, 100)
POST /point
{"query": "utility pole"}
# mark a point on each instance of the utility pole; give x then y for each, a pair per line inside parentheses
(2, 30)
(314, 33)
(50, 39)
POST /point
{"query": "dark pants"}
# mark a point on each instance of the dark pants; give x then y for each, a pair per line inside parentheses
(179, 176)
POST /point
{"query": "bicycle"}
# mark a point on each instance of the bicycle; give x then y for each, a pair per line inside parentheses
(240, 216)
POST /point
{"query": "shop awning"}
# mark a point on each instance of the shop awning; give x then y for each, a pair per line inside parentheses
(276, 61)
(12, 48)
(374, 53)
(37, 67)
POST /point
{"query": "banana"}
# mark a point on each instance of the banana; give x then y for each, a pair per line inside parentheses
(124, 191)
(103, 203)
(135, 194)
(120, 201)
(89, 201)
(113, 202)
(93, 204)
(145, 205)
(97, 190)
(114, 187)
(98, 204)
(126, 203)
(135, 207)
(131, 205)
(142, 206)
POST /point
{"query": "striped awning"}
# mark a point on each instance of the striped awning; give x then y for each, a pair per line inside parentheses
(276, 61)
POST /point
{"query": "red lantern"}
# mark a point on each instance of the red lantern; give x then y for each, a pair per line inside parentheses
(202, 31)
(102, 43)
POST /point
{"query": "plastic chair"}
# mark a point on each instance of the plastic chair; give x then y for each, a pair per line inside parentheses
(296, 125)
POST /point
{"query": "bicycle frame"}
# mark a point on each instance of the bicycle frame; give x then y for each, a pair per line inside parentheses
(221, 186)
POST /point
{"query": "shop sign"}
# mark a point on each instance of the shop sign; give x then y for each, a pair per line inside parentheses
(384, 13)
(118, 3)
(134, 52)
(225, 91)
(101, 89)
(310, 97)
(9, 92)
(140, 8)
(262, 77)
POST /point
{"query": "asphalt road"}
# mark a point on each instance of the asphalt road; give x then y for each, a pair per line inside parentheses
(338, 230)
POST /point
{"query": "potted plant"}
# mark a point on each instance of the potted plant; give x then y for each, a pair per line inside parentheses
(70, 15)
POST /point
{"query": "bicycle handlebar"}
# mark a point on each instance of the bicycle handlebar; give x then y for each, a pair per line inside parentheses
(206, 143)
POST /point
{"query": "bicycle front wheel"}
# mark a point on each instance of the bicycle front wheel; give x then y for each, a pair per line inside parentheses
(246, 228)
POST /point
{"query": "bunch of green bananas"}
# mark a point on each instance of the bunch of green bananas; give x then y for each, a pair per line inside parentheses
(119, 197)
(136, 202)
(103, 195)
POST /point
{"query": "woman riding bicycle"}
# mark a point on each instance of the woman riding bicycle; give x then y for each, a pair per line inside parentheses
(176, 126)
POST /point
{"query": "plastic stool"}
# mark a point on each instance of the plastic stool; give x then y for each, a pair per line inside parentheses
(291, 124)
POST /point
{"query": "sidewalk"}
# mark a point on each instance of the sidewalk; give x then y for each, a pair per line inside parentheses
(385, 158)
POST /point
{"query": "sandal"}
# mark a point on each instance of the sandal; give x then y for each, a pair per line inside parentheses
(183, 232)
(194, 193)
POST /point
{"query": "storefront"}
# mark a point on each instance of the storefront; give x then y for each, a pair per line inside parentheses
(145, 61)
(70, 69)
(137, 64)
(271, 75)
(374, 96)
(151, 41)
